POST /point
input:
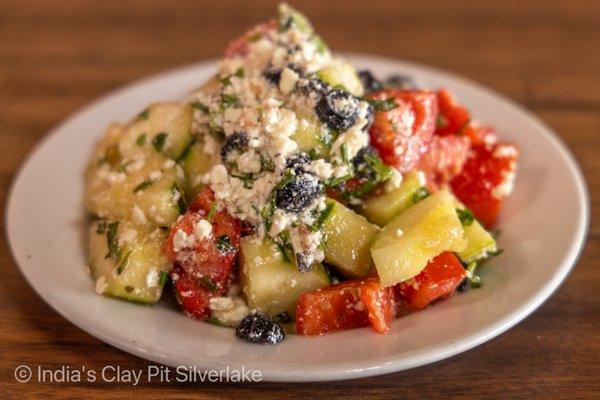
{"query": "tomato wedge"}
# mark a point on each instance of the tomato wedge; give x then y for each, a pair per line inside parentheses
(402, 134)
(203, 265)
(486, 179)
(346, 305)
(439, 279)
(444, 160)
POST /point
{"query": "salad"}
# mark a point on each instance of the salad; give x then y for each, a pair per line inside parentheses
(293, 194)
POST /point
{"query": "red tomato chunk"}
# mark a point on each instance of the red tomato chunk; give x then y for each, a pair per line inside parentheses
(346, 305)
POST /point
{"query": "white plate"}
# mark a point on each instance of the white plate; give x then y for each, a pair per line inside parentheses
(543, 228)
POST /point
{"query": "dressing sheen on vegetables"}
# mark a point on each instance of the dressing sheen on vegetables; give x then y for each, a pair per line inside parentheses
(291, 193)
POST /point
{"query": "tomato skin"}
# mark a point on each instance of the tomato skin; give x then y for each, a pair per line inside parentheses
(401, 135)
(202, 271)
(438, 280)
(453, 117)
(488, 169)
(239, 47)
(347, 305)
(444, 160)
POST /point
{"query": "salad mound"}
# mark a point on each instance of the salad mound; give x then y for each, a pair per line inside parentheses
(292, 193)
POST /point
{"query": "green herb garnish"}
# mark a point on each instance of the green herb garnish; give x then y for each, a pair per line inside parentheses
(465, 216)
(382, 105)
(420, 194)
(224, 245)
(101, 228)
(144, 114)
(208, 283)
(141, 140)
(159, 141)
(123, 263)
(112, 240)
(181, 203)
(163, 277)
(143, 185)
(214, 321)
(324, 215)
(229, 100)
(186, 151)
(200, 106)
(212, 212)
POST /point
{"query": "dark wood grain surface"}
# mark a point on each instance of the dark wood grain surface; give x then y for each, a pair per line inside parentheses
(55, 56)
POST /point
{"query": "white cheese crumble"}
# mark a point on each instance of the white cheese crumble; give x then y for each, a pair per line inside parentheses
(138, 215)
(228, 310)
(101, 285)
(202, 229)
(394, 182)
(127, 236)
(152, 278)
(182, 240)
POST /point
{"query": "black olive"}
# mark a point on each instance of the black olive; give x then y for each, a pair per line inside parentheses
(237, 141)
(338, 109)
(369, 82)
(298, 193)
(273, 76)
(399, 81)
(303, 262)
(315, 87)
(298, 162)
(362, 167)
(462, 286)
(259, 328)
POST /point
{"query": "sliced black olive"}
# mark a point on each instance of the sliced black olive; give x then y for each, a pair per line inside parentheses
(259, 328)
(362, 167)
(298, 163)
(298, 193)
(314, 87)
(369, 82)
(338, 109)
(236, 142)
(303, 262)
(399, 81)
(273, 76)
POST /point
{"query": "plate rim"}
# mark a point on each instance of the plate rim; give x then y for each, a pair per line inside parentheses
(461, 344)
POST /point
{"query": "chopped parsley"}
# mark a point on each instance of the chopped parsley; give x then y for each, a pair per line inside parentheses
(200, 106)
(159, 141)
(163, 277)
(344, 151)
(186, 151)
(113, 240)
(143, 185)
(214, 321)
(420, 194)
(144, 114)
(212, 212)
(181, 203)
(224, 245)
(327, 138)
(123, 262)
(229, 100)
(208, 283)
(382, 105)
(101, 228)
(141, 140)
(465, 216)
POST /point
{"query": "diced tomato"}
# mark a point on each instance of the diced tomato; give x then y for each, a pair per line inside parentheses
(486, 179)
(346, 305)
(444, 160)
(480, 134)
(438, 280)
(239, 46)
(204, 265)
(453, 117)
(401, 135)
(192, 295)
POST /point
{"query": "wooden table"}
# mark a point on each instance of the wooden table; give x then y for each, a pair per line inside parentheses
(55, 56)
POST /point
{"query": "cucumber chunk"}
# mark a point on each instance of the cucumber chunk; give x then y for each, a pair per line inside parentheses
(162, 127)
(479, 243)
(309, 134)
(348, 238)
(134, 266)
(405, 245)
(271, 285)
(342, 74)
(382, 208)
(196, 163)
(150, 194)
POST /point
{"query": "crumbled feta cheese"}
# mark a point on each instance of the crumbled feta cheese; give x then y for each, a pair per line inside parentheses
(202, 229)
(229, 312)
(101, 285)
(139, 217)
(152, 278)
(421, 178)
(288, 81)
(220, 303)
(394, 182)
(182, 240)
(322, 169)
(127, 236)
